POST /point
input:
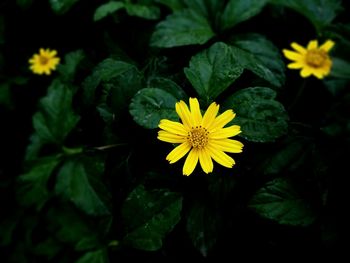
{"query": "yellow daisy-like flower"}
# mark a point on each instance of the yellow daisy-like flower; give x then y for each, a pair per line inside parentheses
(44, 62)
(313, 60)
(204, 137)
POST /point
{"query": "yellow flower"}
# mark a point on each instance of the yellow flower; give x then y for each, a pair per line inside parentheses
(44, 62)
(204, 137)
(313, 60)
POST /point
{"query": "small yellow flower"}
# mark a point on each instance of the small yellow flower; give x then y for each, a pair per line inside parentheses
(44, 62)
(313, 60)
(204, 137)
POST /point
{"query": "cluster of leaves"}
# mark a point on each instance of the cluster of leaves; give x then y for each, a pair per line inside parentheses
(89, 181)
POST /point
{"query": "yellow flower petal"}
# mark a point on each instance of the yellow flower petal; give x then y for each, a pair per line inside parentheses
(205, 161)
(227, 145)
(318, 74)
(179, 152)
(220, 157)
(222, 120)
(295, 65)
(305, 72)
(170, 137)
(327, 46)
(298, 48)
(173, 127)
(195, 112)
(292, 55)
(313, 44)
(55, 61)
(52, 53)
(210, 114)
(184, 113)
(226, 132)
(191, 162)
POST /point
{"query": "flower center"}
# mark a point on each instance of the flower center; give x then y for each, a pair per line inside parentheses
(198, 137)
(316, 57)
(43, 60)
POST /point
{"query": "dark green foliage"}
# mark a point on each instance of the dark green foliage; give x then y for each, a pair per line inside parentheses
(320, 12)
(257, 54)
(62, 6)
(83, 177)
(150, 105)
(157, 212)
(212, 71)
(73, 183)
(261, 117)
(185, 27)
(55, 118)
(33, 185)
(277, 200)
(237, 11)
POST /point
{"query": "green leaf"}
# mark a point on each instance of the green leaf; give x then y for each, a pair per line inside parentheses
(122, 89)
(237, 11)
(106, 113)
(24, 3)
(70, 227)
(336, 86)
(5, 95)
(262, 119)
(110, 68)
(203, 227)
(185, 27)
(174, 5)
(213, 70)
(150, 105)
(279, 201)
(143, 11)
(55, 118)
(62, 6)
(107, 9)
(33, 185)
(139, 10)
(33, 148)
(7, 227)
(288, 157)
(71, 62)
(74, 183)
(210, 9)
(168, 86)
(340, 68)
(149, 216)
(260, 56)
(97, 256)
(48, 248)
(320, 12)
(105, 71)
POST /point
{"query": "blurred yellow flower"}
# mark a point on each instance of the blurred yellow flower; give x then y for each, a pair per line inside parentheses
(44, 62)
(204, 137)
(313, 60)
